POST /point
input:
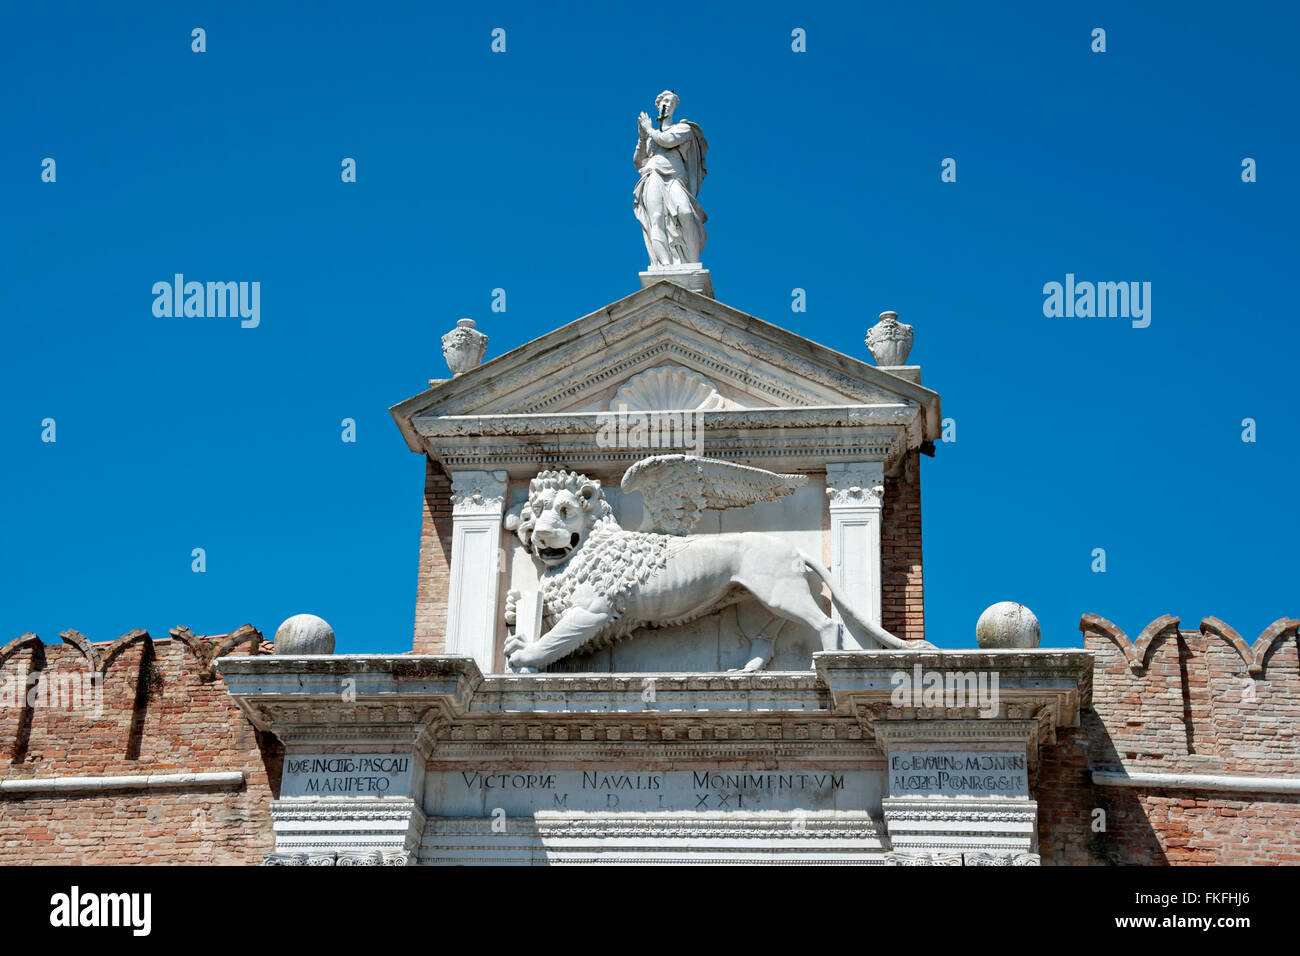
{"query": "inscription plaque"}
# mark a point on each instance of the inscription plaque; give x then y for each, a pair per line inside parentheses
(346, 775)
(958, 773)
(473, 793)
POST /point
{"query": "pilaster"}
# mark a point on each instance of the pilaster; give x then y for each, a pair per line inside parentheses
(855, 497)
(478, 503)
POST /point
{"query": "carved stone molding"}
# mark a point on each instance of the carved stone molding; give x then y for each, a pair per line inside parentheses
(667, 388)
(355, 829)
(1002, 859)
(769, 447)
(478, 492)
(858, 484)
(1028, 681)
(932, 824)
(922, 810)
(372, 858)
(315, 810)
(559, 837)
(897, 858)
(705, 826)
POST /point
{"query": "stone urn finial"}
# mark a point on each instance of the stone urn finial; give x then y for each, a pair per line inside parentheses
(889, 340)
(463, 347)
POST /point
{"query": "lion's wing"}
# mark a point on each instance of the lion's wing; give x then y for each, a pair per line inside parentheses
(675, 489)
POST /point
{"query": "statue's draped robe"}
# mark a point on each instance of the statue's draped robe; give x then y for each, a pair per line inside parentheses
(678, 159)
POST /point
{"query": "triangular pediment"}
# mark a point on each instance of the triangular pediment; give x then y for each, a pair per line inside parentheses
(662, 345)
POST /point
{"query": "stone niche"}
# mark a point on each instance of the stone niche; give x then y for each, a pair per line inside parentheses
(432, 762)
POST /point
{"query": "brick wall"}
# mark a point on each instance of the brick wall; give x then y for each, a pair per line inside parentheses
(435, 562)
(1198, 701)
(163, 712)
(902, 598)
(1062, 784)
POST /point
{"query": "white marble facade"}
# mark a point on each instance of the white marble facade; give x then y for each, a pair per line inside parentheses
(701, 733)
(432, 762)
(653, 750)
(670, 370)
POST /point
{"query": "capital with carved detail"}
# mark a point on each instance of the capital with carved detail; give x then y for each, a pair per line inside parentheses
(478, 492)
(859, 484)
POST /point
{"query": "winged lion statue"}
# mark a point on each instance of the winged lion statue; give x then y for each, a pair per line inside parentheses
(601, 582)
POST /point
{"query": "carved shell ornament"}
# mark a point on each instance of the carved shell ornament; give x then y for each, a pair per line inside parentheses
(667, 388)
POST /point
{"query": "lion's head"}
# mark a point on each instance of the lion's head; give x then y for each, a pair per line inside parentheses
(561, 510)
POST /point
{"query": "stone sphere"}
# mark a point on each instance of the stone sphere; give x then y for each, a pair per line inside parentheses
(1007, 624)
(304, 634)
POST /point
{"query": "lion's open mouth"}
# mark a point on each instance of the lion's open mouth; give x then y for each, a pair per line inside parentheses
(547, 553)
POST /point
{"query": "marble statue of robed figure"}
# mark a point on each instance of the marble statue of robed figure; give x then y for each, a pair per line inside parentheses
(671, 162)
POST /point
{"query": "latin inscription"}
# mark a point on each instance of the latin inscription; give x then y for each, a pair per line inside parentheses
(958, 773)
(479, 792)
(347, 775)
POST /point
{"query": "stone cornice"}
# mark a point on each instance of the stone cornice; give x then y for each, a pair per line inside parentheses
(1059, 679)
(780, 438)
(419, 700)
(773, 449)
(335, 700)
(739, 419)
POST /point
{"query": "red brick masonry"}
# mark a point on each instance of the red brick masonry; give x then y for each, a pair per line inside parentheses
(434, 581)
(1178, 702)
(164, 712)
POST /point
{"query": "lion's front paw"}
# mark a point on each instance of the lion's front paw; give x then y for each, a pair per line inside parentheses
(512, 601)
(522, 662)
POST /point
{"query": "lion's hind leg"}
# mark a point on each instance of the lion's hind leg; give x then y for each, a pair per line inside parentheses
(788, 597)
(762, 629)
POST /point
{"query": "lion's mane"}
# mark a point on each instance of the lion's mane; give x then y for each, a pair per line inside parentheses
(613, 563)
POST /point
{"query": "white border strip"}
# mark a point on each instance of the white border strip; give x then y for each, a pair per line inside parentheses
(158, 781)
(1198, 781)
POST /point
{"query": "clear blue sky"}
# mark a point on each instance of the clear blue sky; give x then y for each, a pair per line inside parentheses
(479, 170)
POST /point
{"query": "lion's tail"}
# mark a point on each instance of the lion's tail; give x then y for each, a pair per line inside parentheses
(860, 625)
